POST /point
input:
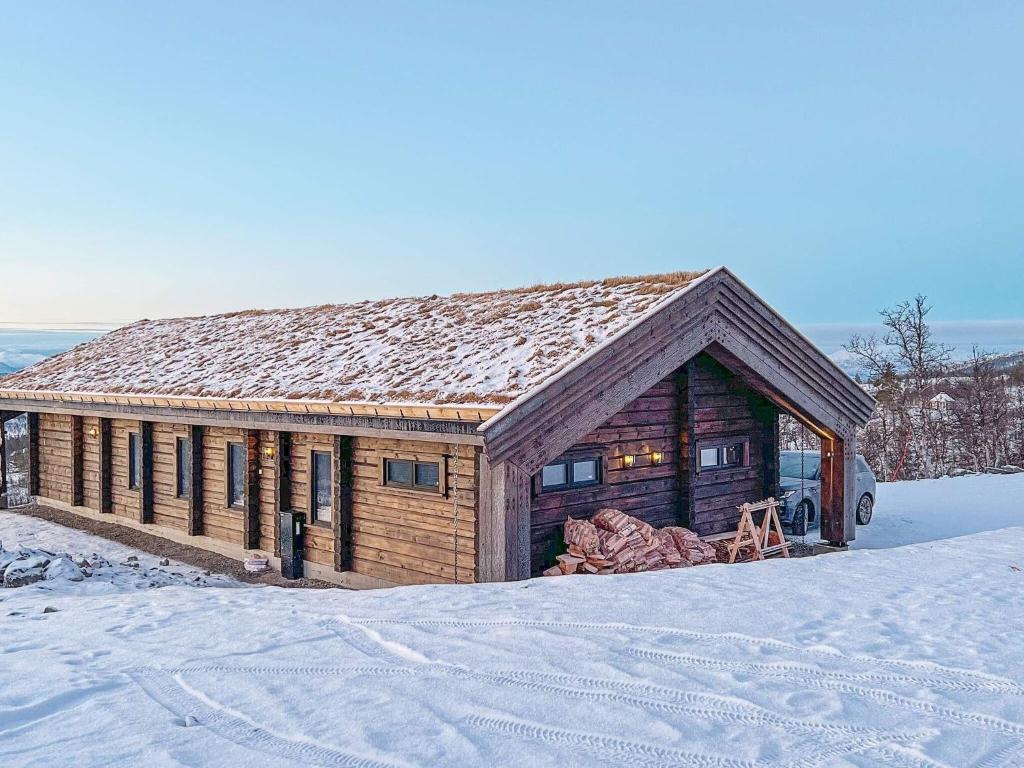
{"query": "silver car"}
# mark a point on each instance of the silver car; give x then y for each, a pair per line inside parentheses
(800, 478)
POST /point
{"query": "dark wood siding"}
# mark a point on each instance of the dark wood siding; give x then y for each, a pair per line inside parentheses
(651, 492)
(723, 408)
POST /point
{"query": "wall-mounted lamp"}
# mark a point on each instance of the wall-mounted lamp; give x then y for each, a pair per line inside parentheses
(656, 457)
(628, 460)
(93, 432)
(268, 451)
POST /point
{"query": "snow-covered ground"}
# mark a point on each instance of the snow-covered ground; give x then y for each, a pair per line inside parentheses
(900, 657)
(929, 510)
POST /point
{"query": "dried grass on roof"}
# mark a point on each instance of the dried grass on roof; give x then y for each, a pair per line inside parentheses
(469, 348)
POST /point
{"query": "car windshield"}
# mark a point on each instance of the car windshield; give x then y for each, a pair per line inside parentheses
(791, 465)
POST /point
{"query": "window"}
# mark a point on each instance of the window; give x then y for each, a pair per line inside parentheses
(323, 501)
(570, 473)
(862, 465)
(732, 454)
(418, 475)
(183, 454)
(134, 470)
(236, 475)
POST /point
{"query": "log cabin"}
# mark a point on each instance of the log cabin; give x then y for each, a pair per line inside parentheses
(439, 439)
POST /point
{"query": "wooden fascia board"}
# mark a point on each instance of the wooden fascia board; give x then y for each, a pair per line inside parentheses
(463, 432)
(469, 413)
(828, 369)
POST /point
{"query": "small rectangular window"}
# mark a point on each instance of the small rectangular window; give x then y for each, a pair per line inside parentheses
(724, 456)
(734, 454)
(134, 474)
(323, 500)
(398, 472)
(418, 475)
(183, 453)
(709, 458)
(427, 475)
(554, 475)
(570, 473)
(584, 472)
(236, 475)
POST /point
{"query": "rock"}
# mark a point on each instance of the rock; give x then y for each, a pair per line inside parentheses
(165, 561)
(62, 569)
(49, 609)
(191, 721)
(27, 571)
(133, 558)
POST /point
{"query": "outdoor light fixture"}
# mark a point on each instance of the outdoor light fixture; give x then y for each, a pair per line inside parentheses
(93, 432)
(656, 457)
(628, 459)
(268, 451)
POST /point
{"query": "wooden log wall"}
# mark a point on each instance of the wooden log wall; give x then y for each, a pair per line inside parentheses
(723, 407)
(395, 534)
(125, 501)
(219, 520)
(319, 536)
(652, 492)
(168, 509)
(91, 461)
(55, 462)
(411, 536)
(270, 502)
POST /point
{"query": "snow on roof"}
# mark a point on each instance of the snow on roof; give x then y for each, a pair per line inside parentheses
(943, 397)
(482, 348)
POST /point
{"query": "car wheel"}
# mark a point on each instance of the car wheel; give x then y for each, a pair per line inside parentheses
(800, 516)
(864, 509)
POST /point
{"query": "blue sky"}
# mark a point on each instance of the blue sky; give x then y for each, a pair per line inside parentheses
(179, 158)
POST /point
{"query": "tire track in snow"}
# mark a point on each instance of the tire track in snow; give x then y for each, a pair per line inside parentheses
(787, 669)
(663, 700)
(614, 750)
(885, 698)
(983, 681)
(306, 671)
(166, 691)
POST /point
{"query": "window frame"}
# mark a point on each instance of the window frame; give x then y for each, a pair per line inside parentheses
(412, 485)
(134, 465)
(182, 472)
(229, 475)
(722, 446)
(571, 484)
(314, 517)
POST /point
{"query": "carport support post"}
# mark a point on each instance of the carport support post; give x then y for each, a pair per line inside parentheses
(838, 490)
(504, 527)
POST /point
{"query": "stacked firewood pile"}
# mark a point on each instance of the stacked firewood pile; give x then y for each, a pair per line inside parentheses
(613, 542)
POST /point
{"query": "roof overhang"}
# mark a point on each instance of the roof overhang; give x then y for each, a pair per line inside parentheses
(717, 312)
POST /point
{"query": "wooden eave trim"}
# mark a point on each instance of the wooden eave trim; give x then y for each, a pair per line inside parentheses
(433, 430)
(469, 413)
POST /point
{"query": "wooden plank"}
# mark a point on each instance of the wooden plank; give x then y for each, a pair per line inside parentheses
(504, 527)
(105, 470)
(77, 463)
(196, 498)
(342, 512)
(282, 483)
(145, 459)
(251, 515)
(838, 490)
